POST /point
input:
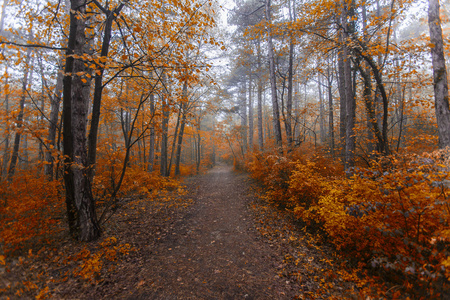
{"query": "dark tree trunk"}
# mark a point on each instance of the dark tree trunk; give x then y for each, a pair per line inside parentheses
(350, 106)
(98, 87)
(288, 121)
(180, 140)
(342, 99)
(164, 135)
(174, 141)
(82, 217)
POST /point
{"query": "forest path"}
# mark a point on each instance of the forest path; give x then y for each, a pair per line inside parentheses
(213, 251)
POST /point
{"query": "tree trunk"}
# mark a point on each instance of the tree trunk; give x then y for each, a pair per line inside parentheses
(243, 113)
(198, 155)
(5, 158)
(342, 99)
(349, 98)
(98, 88)
(439, 74)
(16, 145)
(180, 140)
(164, 135)
(250, 111)
(321, 109)
(151, 145)
(273, 82)
(350, 106)
(55, 102)
(330, 111)
(82, 217)
(260, 110)
(174, 141)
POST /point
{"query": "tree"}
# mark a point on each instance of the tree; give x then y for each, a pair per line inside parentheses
(440, 82)
(82, 217)
(273, 81)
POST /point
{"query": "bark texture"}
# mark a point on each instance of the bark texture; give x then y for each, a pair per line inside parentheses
(82, 217)
(439, 74)
(273, 81)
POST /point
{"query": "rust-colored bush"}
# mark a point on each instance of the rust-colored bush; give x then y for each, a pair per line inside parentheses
(393, 217)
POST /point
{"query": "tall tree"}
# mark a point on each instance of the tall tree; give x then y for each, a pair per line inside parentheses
(20, 116)
(82, 218)
(111, 15)
(260, 98)
(440, 82)
(273, 80)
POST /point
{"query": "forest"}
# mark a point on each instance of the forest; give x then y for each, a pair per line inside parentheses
(337, 111)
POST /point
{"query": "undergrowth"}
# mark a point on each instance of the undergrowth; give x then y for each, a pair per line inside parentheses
(390, 221)
(33, 226)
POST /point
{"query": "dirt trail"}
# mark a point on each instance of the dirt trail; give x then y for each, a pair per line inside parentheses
(213, 251)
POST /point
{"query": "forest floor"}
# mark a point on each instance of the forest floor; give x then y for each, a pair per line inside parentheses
(218, 240)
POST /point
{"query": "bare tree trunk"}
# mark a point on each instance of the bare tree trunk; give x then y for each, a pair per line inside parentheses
(243, 113)
(250, 110)
(82, 217)
(321, 109)
(439, 74)
(260, 110)
(198, 155)
(330, 111)
(350, 103)
(288, 121)
(350, 114)
(273, 82)
(180, 140)
(5, 158)
(111, 15)
(151, 145)
(174, 141)
(164, 135)
(367, 96)
(16, 145)
(342, 99)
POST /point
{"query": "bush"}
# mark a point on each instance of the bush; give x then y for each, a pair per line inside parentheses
(31, 210)
(393, 217)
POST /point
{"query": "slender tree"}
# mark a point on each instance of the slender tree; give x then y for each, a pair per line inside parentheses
(440, 82)
(273, 80)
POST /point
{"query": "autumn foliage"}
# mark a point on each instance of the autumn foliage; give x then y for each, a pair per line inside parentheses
(391, 218)
(32, 211)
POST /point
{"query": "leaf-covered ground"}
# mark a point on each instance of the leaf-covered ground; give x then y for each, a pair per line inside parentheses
(215, 240)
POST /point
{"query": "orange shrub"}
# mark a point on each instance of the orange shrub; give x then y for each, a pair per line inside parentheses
(273, 171)
(31, 210)
(393, 217)
(137, 180)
